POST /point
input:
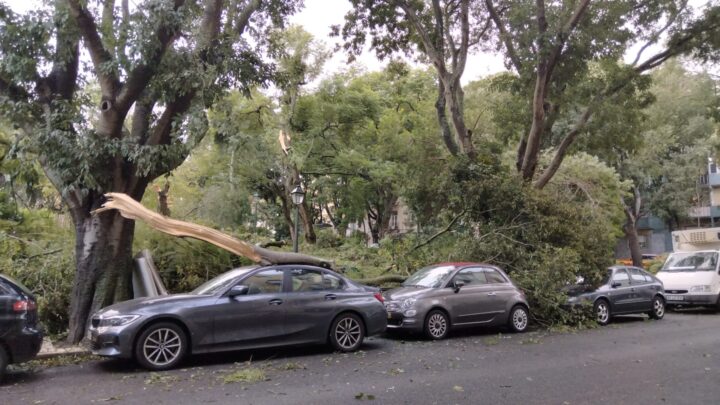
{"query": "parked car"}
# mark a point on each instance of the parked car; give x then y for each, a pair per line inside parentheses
(246, 308)
(20, 334)
(692, 279)
(451, 295)
(647, 259)
(624, 290)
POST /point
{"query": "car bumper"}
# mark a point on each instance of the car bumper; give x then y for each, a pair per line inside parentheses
(25, 345)
(691, 299)
(398, 321)
(111, 342)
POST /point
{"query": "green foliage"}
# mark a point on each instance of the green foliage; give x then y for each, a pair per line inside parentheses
(38, 251)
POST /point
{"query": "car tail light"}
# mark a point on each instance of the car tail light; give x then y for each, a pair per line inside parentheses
(379, 297)
(24, 305)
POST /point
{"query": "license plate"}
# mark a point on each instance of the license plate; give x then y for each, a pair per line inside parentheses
(675, 297)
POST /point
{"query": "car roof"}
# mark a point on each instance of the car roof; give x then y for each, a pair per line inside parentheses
(464, 264)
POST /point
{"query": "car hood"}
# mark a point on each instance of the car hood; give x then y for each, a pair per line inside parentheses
(147, 304)
(577, 290)
(683, 280)
(402, 293)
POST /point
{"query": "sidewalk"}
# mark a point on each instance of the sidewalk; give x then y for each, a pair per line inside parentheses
(48, 349)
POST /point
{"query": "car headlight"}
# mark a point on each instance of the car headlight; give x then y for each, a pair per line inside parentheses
(119, 320)
(700, 288)
(408, 303)
(573, 300)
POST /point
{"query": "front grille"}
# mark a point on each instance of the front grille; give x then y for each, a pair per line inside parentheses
(395, 321)
(676, 291)
(95, 322)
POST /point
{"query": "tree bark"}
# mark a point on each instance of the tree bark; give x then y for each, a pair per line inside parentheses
(103, 250)
(633, 241)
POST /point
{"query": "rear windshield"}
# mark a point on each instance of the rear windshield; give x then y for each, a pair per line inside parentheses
(691, 261)
(18, 284)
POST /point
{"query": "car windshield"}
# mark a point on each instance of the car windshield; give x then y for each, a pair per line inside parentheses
(691, 261)
(432, 277)
(221, 282)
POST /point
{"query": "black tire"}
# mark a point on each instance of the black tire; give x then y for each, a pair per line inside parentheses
(519, 319)
(437, 325)
(658, 308)
(347, 332)
(161, 346)
(601, 309)
(3, 362)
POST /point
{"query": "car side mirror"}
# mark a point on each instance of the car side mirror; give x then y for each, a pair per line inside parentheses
(458, 284)
(615, 284)
(238, 290)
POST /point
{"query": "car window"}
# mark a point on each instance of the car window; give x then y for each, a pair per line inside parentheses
(649, 278)
(493, 276)
(637, 276)
(313, 280)
(621, 276)
(264, 282)
(470, 276)
(6, 289)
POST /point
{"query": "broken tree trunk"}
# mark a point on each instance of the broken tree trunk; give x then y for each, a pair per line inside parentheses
(131, 209)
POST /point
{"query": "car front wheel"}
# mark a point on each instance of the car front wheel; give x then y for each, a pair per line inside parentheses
(658, 308)
(519, 318)
(161, 346)
(347, 332)
(437, 325)
(3, 362)
(602, 312)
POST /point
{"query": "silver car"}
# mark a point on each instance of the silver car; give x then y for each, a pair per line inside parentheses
(245, 308)
(449, 295)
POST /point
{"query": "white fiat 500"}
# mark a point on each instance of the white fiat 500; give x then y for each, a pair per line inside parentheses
(692, 279)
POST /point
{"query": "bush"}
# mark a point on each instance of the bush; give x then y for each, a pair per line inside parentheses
(38, 252)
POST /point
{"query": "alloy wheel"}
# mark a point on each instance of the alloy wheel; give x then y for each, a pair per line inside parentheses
(348, 333)
(437, 325)
(162, 347)
(658, 308)
(603, 312)
(520, 319)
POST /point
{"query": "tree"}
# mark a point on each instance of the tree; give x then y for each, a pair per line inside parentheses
(553, 59)
(158, 65)
(442, 32)
(676, 140)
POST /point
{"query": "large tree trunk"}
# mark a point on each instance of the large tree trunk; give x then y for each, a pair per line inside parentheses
(307, 220)
(103, 250)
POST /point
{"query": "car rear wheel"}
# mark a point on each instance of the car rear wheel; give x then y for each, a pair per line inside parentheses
(161, 346)
(519, 319)
(437, 325)
(3, 362)
(658, 308)
(347, 332)
(602, 312)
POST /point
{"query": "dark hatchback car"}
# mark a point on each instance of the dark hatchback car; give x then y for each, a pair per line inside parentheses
(449, 295)
(20, 335)
(624, 290)
(245, 308)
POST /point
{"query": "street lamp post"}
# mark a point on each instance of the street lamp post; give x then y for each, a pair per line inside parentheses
(298, 195)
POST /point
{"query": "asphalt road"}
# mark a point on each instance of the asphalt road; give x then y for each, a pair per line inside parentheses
(632, 361)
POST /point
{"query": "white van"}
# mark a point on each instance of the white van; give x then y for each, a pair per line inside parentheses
(692, 278)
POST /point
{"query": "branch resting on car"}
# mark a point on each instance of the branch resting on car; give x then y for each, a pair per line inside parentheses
(131, 209)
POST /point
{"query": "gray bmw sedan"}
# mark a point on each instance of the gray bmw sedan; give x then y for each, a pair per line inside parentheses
(448, 295)
(245, 308)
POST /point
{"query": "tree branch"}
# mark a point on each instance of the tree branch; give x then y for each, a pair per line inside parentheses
(441, 232)
(504, 36)
(101, 58)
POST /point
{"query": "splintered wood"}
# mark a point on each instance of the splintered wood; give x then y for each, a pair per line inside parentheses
(131, 209)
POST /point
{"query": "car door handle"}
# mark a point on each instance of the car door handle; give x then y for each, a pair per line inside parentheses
(330, 297)
(632, 289)
(276, 301)
(492, 293)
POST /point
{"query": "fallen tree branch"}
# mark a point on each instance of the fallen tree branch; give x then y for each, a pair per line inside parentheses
(439, 233)
(377, 281)
(131, 209)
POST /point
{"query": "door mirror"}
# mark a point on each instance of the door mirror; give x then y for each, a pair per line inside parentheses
(615, 284)
(457, 284)
(238, 290)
